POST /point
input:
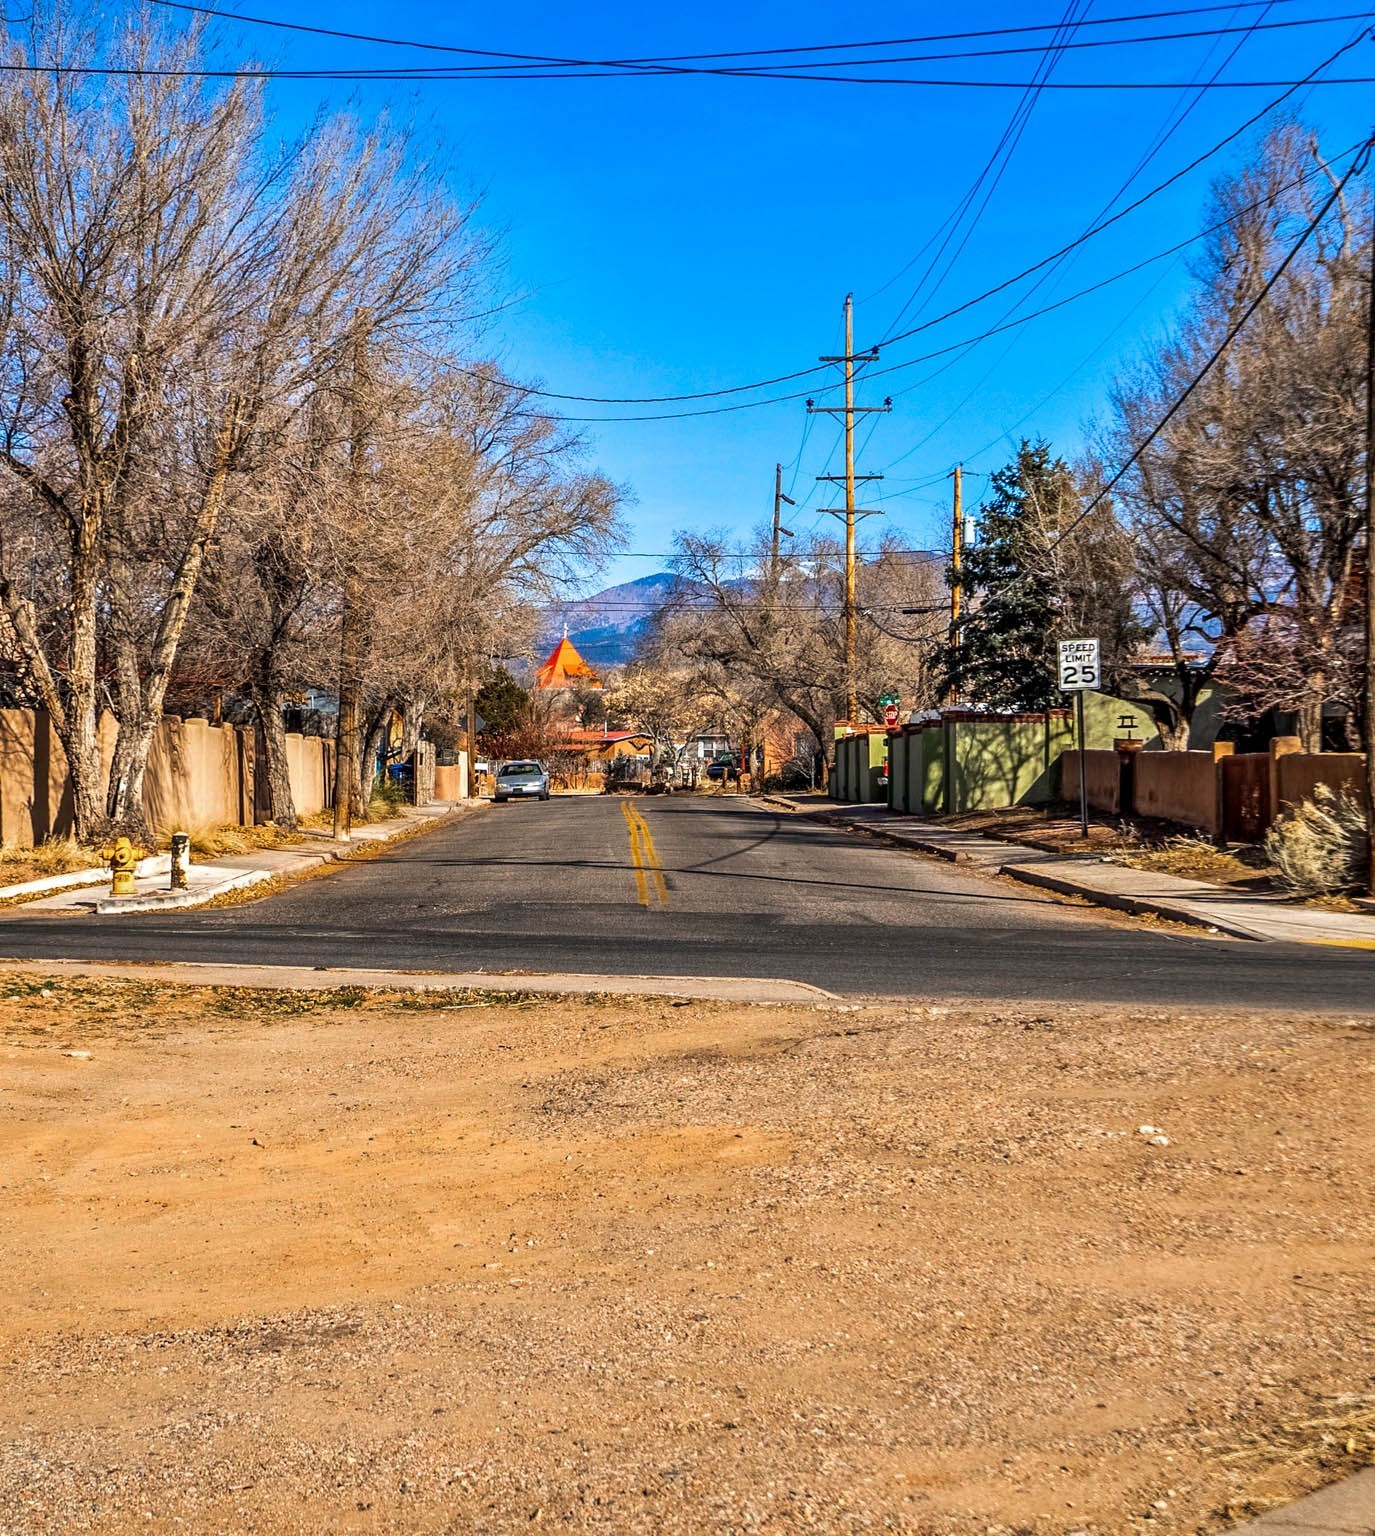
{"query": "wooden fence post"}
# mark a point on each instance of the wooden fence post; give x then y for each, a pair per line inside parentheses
(1221, 749)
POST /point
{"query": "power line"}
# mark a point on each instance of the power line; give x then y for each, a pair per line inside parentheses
(1003, 150)
(1160, 142)
(1146, 197)
(519, 64)
(957, 346)
(426, 76)
(1001, 287)
(1196, 382)
(684, 58)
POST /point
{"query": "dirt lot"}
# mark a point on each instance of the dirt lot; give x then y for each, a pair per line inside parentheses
(311, 1263)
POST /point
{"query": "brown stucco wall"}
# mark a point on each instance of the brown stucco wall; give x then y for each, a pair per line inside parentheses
(1101, 773)
(1299, 774)
(309, 760)
(1179, 786)
(199, 775)
(451, 779)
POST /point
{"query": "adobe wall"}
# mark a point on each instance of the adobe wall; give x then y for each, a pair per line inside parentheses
(309, 762)
(451, 779)
(1300, 773)
(1179, 786)
(1101, 775)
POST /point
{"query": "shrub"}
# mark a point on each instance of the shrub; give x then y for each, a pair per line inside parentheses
(55, 856)
(1321, 847)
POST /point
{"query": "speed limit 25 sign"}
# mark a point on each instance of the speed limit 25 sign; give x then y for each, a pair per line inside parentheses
(1079, 667)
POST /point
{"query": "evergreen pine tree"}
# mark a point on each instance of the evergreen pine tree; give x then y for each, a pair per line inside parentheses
(1004, 659)
(1041, 571)
(502, 704)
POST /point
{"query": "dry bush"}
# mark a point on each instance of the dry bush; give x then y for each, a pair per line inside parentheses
(215, 842)
(56, 856)
(1192, 856)
(1322, 846)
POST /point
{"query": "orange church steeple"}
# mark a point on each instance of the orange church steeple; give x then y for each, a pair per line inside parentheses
(565, 668)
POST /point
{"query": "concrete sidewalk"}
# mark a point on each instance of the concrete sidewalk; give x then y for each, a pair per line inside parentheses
(1239, 914)
(238, 871)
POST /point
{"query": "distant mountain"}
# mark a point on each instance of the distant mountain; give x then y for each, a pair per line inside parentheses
(608, 626)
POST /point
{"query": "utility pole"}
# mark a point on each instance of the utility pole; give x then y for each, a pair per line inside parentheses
(471, 732)
(346, 764)
(957, 554)
(778, 499)
(850, 478)
(1370, 570)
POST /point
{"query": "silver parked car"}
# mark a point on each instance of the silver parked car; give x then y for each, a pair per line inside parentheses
(524, 779)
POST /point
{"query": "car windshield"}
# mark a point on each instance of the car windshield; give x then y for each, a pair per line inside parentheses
(520, 771)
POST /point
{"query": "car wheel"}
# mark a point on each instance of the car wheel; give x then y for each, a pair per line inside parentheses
(545, 795)
(500, 799)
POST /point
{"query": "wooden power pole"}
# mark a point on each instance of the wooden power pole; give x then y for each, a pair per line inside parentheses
(346, 747)
(956, 592)
(849, 512)
(778, 499)
(1369, 742)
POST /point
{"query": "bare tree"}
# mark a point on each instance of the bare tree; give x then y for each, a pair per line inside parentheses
(1247, 507)
(174, 289)
(774, 628)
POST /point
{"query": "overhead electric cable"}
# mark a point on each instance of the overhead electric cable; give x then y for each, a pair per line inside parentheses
(1218, 352)
(970, 303)
(1161, 139)
(426, 75)
(959, 346)
(685, 58)
(1122, 213)
(995, 167)
(520, 63)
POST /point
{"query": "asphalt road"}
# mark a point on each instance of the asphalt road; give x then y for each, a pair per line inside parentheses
(709, 887)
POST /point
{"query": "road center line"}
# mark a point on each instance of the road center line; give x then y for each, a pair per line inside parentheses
(652, 858)
(644, 856)
(641, 885)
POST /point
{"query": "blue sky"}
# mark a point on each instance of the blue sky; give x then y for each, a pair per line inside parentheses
(677, 234)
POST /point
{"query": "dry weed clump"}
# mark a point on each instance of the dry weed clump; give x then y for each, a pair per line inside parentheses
(210, 842)
(56, 856)
(1320, 848)
(1191, 856)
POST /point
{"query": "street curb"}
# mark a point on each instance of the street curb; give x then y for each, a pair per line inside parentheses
(1060, 885)
(171, 901)
(1136, 906)
(308, 861)
(724, 989)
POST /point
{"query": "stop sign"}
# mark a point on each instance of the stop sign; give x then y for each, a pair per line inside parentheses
(890, 714)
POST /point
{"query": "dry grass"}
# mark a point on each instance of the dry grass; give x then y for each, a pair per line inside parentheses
(1192, 857)
(57, 856)
(218, 842)
(1321, 847)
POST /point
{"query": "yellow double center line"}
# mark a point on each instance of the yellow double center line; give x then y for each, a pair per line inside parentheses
(644, 856)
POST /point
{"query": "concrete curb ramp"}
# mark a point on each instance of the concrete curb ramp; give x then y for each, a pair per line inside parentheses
(723, 989)
(1345, 1509)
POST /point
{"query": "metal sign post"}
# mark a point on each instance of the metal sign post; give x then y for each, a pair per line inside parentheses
(1079, 672)
(1083, 777)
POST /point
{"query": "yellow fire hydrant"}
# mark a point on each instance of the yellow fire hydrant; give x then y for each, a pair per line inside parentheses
(123, 857)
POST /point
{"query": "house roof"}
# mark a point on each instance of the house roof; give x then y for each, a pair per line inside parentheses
(564, 668)
(605, 738)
